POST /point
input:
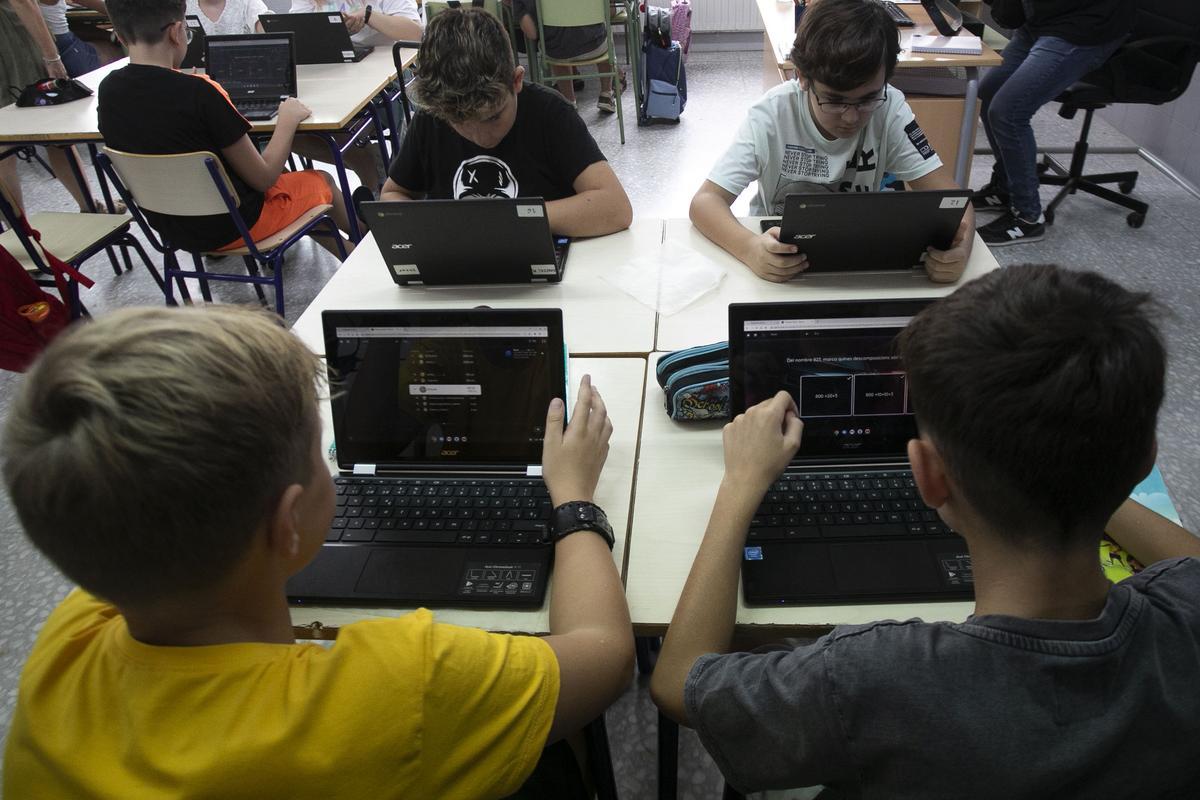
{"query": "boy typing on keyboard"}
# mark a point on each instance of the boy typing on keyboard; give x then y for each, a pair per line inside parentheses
(837, 127)
(170, 462)
(151, 108)
(1036, 392)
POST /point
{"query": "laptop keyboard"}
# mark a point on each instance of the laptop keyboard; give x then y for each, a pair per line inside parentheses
(844, 505)
(258, 109)
(510, 512)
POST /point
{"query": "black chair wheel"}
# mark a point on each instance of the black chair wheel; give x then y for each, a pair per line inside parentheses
(1049, 215)
(1136, 220)
(1127, 186)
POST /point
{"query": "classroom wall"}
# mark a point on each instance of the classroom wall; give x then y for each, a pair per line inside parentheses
(1171, 131)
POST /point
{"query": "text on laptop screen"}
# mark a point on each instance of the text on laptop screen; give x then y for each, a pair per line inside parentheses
(252, 67)
(443, 394)
(844, 376)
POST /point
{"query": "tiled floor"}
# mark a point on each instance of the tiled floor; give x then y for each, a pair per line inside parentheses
(661, 167)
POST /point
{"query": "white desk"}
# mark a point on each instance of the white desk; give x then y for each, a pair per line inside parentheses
(679, 470)
(335, 93)
(620, 380)
(707, 320)
(599, 318)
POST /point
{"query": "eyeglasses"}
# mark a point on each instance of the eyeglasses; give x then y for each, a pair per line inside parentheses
(187, 31)
(867, 106)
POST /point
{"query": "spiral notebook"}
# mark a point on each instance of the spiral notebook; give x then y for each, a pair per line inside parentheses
(956, 45)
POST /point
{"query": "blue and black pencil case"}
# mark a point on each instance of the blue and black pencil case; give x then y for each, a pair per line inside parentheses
(696, 382)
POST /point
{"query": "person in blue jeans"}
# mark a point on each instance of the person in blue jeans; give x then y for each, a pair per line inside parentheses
(1060, 42)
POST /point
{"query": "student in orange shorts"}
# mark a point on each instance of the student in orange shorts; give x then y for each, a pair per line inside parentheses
(150, 107)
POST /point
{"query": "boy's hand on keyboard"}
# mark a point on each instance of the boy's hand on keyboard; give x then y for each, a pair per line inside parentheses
(760, 443)
(293, 112)
(773, 260)
(572, 459)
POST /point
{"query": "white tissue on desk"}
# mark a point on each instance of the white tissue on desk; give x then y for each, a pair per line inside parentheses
(668, 282)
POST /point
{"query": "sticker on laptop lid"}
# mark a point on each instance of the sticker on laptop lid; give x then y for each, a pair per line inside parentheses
(543, 269)
(347, 54)
(953, 202)
(406, 269)
(525, 210)
(754, 554)
(334, 18)
(533, 471)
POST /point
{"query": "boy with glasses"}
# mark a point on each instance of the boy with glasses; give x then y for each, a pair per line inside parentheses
(837, 127)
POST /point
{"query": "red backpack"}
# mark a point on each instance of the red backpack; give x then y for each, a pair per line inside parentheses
(29, 317)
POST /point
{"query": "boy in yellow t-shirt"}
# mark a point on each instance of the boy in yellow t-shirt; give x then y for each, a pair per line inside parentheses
(169, 461)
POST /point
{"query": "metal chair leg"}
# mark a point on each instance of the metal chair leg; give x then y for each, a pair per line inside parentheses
(198, 260)
(668, 758)
(252, 269)
(600, 759)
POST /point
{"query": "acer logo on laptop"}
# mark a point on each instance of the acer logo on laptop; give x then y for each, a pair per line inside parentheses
(402, 246)
(804, 236)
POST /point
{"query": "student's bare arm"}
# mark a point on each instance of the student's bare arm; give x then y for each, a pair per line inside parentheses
(1148, 536)
(261, 170)
(763, 253)
(31, 18)
(946, 266)
(758, 445)
(590, 631)
(394, 191)
(393, 26)
(529, 28)
(598, 207)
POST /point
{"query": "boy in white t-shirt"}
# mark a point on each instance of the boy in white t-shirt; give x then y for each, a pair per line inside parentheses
(837, 127)
(372, 23)
(228, 17)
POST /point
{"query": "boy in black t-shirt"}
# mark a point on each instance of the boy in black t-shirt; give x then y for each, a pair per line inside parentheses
(151, 108)
(483, 132)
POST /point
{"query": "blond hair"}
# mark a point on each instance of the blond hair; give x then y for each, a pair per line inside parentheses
(144, 448)
(465, 66)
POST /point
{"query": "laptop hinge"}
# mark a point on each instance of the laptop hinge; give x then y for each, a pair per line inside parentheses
(364, 469)
(533, 471)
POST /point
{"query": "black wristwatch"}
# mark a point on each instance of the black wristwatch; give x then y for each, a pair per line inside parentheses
(367, 16)
(580, 516)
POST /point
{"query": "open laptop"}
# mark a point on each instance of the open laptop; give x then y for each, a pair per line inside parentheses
(321, 38)
(474, 241)
(870, 231)
(844, 523)
(257, 70)
(438, 420)
(195, 50)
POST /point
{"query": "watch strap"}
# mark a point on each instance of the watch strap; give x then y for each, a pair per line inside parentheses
(577, 516)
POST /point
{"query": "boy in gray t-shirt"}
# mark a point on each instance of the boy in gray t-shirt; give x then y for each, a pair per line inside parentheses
(1037, 391)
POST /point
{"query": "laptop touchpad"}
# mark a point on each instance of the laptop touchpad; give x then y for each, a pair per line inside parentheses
(879, 567)
(413, 572)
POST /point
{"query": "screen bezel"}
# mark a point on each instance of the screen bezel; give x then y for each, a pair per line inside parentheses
(265, 38)
(740, 313)
(348, 455)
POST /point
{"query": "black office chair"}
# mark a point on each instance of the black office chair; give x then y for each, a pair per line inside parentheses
(1154, 66)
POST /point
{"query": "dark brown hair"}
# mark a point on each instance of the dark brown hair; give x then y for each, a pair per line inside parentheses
(843, 43)
(142, 21)
(1040, 387)
(465, 66)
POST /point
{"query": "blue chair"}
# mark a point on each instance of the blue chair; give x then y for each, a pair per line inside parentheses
(195, 184)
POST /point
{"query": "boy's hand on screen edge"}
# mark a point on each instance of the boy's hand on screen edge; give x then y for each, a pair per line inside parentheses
(572, 459)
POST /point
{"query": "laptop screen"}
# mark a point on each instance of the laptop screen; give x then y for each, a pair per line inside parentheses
(443, 388)
(251, 66)
(838, 362)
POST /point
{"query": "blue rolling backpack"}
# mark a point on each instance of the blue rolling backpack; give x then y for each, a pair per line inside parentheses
(665, 81)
